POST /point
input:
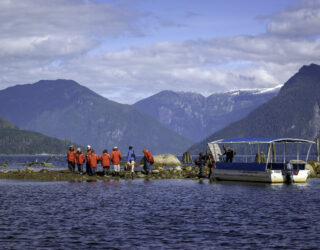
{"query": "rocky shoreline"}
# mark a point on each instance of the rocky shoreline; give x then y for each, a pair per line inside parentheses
(159, 171)
(64, 175)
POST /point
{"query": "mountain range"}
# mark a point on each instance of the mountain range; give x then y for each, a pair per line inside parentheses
(16, 141)
(64, 109)
(294, 112)
(195, 117)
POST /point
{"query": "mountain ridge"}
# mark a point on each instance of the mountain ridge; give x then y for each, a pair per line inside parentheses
(195, 116)
(67, 110)
(16, 141)
(294, 112)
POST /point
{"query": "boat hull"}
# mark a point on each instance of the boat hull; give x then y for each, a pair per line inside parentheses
(269, 176)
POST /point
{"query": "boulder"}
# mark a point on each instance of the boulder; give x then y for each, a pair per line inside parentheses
(30, 170)
(166, 160)
(312, 173)
(48, 165)
(178, 168)
(315, 165)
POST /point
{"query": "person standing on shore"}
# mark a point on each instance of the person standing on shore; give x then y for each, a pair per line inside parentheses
(80, 160)
(71, 158)
(88, 153)
(200, 162)
(147, 160)
(211, 164)
(105, 162)
(131, 160)
(115, 158)
(93, 160)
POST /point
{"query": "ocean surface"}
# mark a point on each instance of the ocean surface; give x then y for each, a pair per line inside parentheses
(158, 214)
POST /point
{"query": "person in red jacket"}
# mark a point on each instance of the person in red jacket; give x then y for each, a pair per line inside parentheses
(105, 162)
(93, 160)
(115, 158)
(148, 160)
(80, 160)
(71, 158)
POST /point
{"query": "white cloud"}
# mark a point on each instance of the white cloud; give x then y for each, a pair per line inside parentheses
(300, 19)
(50, 40)
(37, 28)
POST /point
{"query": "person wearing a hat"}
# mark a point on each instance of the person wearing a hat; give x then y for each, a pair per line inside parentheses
(80, 160)
(115, 158)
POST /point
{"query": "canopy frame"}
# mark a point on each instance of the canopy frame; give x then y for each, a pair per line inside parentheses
(268, 141)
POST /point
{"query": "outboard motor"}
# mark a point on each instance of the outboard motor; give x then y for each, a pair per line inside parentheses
(289, 173)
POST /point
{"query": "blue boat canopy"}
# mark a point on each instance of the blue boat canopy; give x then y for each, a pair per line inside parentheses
(262, 140)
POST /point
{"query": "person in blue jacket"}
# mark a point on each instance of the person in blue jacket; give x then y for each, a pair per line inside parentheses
(131, 160)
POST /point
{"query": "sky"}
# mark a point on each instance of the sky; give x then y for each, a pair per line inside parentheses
(127, 50)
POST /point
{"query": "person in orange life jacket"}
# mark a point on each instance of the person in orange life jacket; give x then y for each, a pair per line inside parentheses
(211, 164)
(115, 158)
(71, 158)
(131, 159)
(80, 160)
(147, 160)
(88, 168)
(93, 160)
(105, 162)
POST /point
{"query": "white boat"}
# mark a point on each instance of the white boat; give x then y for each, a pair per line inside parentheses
(262, 169)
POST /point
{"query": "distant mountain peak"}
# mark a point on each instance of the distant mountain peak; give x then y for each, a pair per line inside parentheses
(310, 68)
(254, 91)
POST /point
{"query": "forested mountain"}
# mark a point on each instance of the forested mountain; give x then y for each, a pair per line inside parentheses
(67, 110)
(294, 112)
(16, 141)
(195, 116)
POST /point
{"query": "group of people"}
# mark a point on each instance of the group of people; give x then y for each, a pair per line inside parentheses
(209, 160)
(76, 157)
(203, 160)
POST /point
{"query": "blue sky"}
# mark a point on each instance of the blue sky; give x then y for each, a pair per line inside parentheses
(127, 50)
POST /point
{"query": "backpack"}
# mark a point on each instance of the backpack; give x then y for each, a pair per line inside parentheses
(151, 160)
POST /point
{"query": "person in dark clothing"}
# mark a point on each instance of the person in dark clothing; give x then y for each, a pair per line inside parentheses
(88, 168)
(229, 152)
(211, 164)
(200, 162)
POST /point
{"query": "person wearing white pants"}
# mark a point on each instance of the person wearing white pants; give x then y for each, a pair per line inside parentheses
(131, 160)
(115, 158)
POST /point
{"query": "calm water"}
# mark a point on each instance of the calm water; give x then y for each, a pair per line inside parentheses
(173, 214)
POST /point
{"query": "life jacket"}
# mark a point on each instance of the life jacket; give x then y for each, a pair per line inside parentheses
(93, 160)
(88, 155)
(105, 160)
(115, 157)
(71, 155)
(211, 162)
(80, 158)
(148, 156)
